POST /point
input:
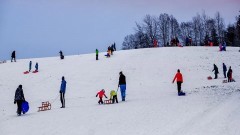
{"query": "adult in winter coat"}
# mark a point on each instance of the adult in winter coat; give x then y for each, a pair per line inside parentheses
(215, 69)
(19, 99)
(96, 54)
(179, 79)
(13, 56)
(30, 66)
(113, 96)
(224, 70)
(122, 85)
(100, 94)
(62, 92)
(229, 74)
(36, 67)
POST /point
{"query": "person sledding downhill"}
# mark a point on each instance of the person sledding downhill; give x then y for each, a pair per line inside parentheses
(179, 79)
(113, 96)
(100, 94)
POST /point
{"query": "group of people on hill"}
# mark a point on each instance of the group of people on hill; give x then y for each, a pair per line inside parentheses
(30, 67)
(228, 75)
(19, 95)
(113, 93)
(110, 50)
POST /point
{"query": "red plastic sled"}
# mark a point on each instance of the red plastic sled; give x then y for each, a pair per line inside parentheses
(34, 71)
(26, 72)
(209, 78)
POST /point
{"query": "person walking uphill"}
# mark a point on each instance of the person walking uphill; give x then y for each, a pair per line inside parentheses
(122, 85)
(224, 70)
(13, 56)
(101, 93)
(215, 69)
(62, 92)
(19, 99)
(179, 79)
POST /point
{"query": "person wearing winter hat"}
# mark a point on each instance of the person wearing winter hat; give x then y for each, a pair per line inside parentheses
(122, 85)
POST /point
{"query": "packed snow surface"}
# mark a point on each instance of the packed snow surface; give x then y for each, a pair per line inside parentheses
(152, 106)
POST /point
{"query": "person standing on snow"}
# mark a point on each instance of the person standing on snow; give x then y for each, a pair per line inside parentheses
(179, 79)
(36, 67)
(101, 93)
(122, 85)
(224, 70)
(19, 99)
(113, 96)
(229, 74)
(215, 69)
(30, 66)
(62, 92)
(96, 54)
(13, 56)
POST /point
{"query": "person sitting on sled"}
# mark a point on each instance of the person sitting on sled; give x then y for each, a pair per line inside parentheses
(101, 93)
(113, 96)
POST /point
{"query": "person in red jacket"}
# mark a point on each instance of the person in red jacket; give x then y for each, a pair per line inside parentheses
(179, 79)
(101, 93)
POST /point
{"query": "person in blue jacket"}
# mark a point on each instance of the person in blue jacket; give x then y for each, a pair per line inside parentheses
(30, 66)
(62, 92)
(36, 67)
(224, 70)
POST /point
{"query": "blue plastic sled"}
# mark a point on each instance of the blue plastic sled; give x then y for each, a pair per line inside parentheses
(181, 94)
(25, 107)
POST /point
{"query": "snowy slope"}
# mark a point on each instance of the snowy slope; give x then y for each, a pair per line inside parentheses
(152, 106)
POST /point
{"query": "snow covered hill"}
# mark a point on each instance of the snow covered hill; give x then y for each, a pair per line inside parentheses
(152, 106)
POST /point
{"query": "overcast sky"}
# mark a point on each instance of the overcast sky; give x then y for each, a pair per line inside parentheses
(40, 28)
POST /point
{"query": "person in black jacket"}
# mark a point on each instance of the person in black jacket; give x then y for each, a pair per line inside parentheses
(19, 99)
(215, 69)
(122, 85)
(224, 70)
(13, 56)
(61, 55)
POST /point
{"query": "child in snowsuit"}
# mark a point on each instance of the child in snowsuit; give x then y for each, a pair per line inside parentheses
(179, 78)
(36, 67)
(229, 74)
(113, 96)
(215, 69)
(19, 99)
(101, 93)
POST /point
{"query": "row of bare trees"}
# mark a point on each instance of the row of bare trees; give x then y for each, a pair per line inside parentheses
(167, 31)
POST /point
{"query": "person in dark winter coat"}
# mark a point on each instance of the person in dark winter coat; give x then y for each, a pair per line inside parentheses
(229, 74)
(62, 92)
(96, 54)
(101, 93)
(224, 70)
(36, 67)
(13, 56)
(30, 66)
(215, 69)
(61, 55)
(179, 79)
(122, 85)
(19, 99)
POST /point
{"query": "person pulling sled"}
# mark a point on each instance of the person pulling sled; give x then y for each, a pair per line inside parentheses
(100, 94)
(179, 79)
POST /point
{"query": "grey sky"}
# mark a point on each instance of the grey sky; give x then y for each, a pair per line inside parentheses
(40, 28)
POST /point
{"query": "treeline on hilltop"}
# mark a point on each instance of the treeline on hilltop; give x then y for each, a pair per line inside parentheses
(165, 30)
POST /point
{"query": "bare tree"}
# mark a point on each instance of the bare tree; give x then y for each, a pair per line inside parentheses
(219, 26)
(163, 27)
